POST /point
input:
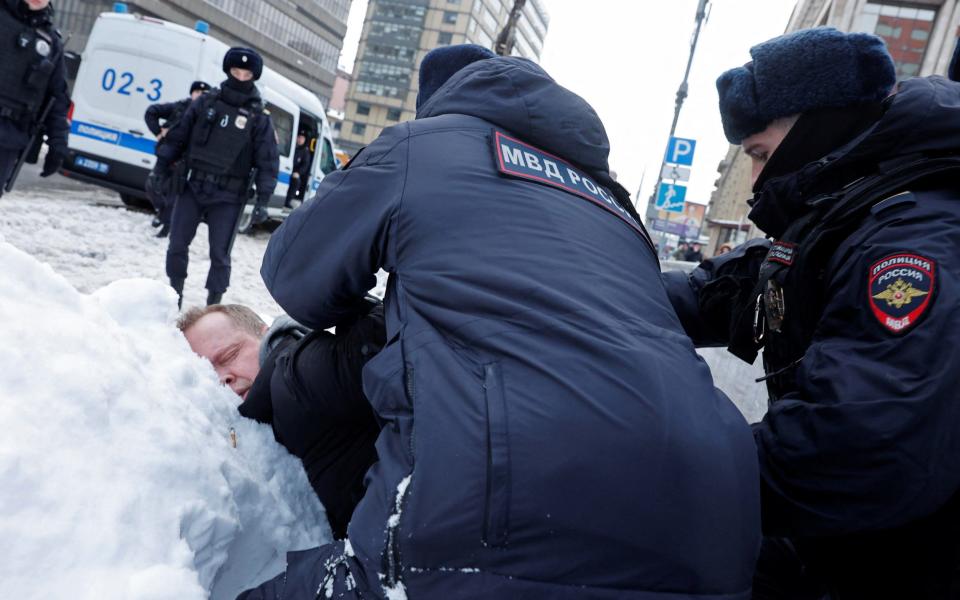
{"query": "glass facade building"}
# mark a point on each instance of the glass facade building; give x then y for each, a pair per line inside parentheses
(283, 28)
(398, 33)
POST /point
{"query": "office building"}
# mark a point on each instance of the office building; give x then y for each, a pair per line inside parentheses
(398, 33)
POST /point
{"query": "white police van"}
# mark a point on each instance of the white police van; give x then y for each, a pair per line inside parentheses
(133, 61)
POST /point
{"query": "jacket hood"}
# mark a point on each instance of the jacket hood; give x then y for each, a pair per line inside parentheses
(922, 119)
(519, 96)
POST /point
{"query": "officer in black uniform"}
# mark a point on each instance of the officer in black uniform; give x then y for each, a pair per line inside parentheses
(854, 303)
(301, 169)
(229, 145)
(32, 74)
(159, 190)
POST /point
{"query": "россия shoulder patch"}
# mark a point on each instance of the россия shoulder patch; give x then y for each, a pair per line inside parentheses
(900, 289)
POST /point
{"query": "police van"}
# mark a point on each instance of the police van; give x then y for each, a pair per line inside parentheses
(133, 61)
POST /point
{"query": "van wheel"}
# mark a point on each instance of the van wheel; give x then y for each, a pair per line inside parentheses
(136, 201)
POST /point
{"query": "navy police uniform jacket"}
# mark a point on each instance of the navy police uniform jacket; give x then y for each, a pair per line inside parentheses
(15, 132)
(266, 156)
(867, 440)
(549, 430)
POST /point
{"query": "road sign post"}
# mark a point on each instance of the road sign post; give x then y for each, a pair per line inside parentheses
(671, 197)
(675, 173)
(680, 151)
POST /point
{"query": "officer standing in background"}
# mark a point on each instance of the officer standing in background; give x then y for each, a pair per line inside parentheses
(32, 74)
(855, 305)
(159, 190)
(301, 170)
(229, 144)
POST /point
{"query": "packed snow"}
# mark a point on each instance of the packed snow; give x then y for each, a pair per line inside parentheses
(125, 469)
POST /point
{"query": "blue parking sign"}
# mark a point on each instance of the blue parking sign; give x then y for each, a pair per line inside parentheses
(671, 197)
(680, 151)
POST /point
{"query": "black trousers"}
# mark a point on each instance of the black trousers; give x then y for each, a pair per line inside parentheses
(221, 217)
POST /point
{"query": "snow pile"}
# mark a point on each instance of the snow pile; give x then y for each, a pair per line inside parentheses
(118, 472)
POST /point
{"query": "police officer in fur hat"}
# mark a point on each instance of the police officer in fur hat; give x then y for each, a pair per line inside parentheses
(32, 81)
(161, 196)
(854, 304)
(229, 147)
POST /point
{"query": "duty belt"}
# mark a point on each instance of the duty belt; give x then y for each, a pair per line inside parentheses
(225, 182)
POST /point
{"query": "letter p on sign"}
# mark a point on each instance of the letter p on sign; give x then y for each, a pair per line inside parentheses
(680, 151)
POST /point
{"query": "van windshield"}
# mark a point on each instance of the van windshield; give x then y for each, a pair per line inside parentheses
(328, 163)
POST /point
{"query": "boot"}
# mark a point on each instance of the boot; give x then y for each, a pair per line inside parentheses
(164, 231)
(177, 285)
(214, 297)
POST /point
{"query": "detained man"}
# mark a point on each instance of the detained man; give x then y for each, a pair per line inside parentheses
(306, 385)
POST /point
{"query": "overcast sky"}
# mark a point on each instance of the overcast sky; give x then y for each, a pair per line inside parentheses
(626, 58)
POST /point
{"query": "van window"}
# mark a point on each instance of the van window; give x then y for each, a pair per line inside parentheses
(328, 163)
(283, 124)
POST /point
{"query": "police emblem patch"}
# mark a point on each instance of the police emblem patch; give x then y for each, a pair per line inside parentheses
(42, 48)
(900, 289)
(240, 122)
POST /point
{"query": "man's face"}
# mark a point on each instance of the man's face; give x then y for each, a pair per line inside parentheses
(301, 140)
(195, 94)
(761, 146)
(241, 74)
(233, 352)
(37, 4)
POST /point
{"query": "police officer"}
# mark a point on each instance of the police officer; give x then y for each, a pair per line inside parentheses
(301, 169)
(32, 75)
(855, 306)
(229, 144)
(160, 192)
(543, 438)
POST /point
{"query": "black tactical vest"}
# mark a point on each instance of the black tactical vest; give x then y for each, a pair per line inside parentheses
(221, 143)
(791, 294)
(27, 61)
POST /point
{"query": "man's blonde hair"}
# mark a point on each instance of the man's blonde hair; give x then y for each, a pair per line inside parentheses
(241, 316)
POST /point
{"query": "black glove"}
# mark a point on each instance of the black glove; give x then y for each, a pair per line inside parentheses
(53, 162)
(259, 214)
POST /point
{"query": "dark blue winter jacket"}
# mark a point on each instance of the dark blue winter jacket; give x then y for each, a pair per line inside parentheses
(266, 155)
(14, 135)
(870, 438)
(550, 431)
